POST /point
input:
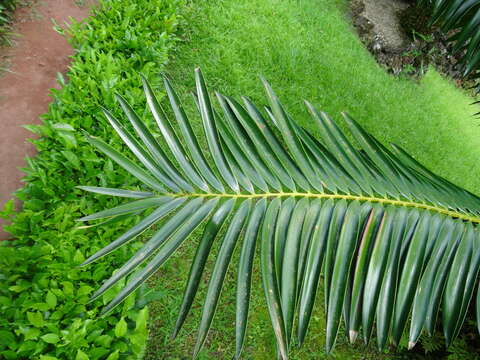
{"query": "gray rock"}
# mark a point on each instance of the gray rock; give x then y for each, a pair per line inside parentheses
(383, 14)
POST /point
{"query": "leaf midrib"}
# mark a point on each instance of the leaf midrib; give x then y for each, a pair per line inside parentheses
(386, 201)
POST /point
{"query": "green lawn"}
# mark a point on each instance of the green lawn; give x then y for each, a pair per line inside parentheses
(307, 50)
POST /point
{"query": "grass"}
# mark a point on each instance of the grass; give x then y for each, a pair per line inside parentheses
(307, 50)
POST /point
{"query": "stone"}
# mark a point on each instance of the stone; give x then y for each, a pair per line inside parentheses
(384, 15)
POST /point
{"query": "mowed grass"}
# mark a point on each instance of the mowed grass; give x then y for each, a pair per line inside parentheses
(307, 50)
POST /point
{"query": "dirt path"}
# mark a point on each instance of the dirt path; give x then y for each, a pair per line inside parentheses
(35, 59)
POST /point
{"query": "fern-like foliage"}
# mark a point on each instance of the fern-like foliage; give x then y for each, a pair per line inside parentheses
(393, 240)
(463, 16)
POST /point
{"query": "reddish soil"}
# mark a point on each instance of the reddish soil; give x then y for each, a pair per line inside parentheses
(38, 54)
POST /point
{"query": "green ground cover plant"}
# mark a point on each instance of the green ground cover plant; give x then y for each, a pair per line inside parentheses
(307, 50)
(43, 292)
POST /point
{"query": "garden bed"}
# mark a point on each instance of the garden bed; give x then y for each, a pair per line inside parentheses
(43, 292)
(306, 50)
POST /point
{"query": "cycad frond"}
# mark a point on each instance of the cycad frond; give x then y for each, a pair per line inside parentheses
(394, 240)
(464, 16)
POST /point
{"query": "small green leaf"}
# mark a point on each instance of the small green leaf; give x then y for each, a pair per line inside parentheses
(50, 338)
(141, 321)
(121, 328)
(67, 288)
(72, 159)
(31, 334)
(51, 300)
(63, 126)
(35, 318)
(16, 288)
(78, 258)
(84, 290)
(81, 355)
(6, 338)
(47, 357)
(27, 346)
(114, 355)
(5, 301)
(104, 340)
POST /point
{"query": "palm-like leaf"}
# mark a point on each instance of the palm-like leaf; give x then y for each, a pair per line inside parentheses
(393, 239)
(464, 16)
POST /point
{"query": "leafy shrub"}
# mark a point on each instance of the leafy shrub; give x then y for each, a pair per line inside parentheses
(6, 7)
(43, 301)
(43, 292)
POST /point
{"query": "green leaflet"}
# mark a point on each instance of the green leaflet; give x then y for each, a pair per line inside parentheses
(387, 295)
(410, 275)
(170, 136)
(116, 192)
(312, 269)
(206, 112)
(154, 243)
(308, 230)
(281, 231)
(335, 226)
(376, 268)
(290, 263)
(127, 164)
(211, 230)
(340, 276)
(365, 245)
(219, 272)
(264, 161)
(439, 282)
(244, 279)
(189, 137)
(164, 253)
(151, 219)
(130, 207)
(456, 282)
(424, 290)
(153, 146)
(269, 278)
